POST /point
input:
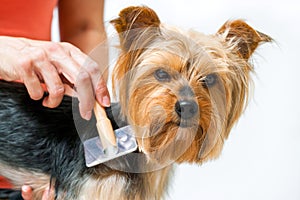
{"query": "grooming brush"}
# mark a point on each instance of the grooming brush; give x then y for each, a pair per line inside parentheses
(109, 144)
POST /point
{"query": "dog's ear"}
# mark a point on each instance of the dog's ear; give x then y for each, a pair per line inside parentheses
(244, 36)
(132, 21)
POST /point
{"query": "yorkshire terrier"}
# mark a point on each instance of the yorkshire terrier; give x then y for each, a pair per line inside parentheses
(181, 91)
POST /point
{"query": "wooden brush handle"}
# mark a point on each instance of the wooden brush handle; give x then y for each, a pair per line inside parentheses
(104, 127)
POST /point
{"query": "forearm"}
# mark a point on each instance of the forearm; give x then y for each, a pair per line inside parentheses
(92, 42)
(81, 23)
(87, 39)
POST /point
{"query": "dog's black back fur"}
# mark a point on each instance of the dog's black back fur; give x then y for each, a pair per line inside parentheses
(27, 127)
(43, 140)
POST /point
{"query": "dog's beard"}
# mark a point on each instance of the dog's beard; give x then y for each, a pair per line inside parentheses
(167, 143)
(162, 135)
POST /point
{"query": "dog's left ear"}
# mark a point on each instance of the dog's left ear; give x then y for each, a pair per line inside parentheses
(244, 36)
(131, 23)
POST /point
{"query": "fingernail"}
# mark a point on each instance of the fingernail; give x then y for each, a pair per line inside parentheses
(88, 115)
(105, 101)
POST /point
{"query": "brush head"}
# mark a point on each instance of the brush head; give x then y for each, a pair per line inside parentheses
(95, 153)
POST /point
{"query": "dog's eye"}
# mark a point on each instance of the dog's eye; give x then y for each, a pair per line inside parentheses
(210, 80)
(162, 76)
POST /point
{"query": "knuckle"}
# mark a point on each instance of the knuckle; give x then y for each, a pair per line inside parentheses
(26, 64)
(70, 47)
(39, 52)
(83, 76)
(67, 45)
(54, 47)
(93, 68)
(101, 89)
(58, 92)
(38, 55)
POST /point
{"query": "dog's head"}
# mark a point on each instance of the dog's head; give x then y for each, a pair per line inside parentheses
(182, 91)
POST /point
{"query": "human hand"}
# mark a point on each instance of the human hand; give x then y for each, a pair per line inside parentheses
(35, 62)
(27, 193)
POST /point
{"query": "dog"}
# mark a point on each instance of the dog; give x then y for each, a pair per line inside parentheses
(181, 91)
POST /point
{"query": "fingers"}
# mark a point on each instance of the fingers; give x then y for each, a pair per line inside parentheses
(89, 81)
(84, 88)
(26, 192)
(49, 60)
(74, 73)
(90, 87)
(100, 91)
(54, 86)
(102, 94)
(33, 86)
(38, 70)
(96, 73)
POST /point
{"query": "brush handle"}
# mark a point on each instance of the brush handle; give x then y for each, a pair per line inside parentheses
(104, 127)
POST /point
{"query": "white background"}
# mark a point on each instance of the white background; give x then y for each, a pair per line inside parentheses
(261, 158)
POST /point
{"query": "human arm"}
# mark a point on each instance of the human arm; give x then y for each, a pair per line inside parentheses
(81, 23)
(34, 62)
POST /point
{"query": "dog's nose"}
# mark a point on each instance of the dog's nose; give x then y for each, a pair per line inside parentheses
(186, 109)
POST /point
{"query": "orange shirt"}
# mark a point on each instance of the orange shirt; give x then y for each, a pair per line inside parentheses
(27, 18)
(4, 183)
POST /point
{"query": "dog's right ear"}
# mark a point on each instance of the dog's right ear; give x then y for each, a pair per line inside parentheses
(244, 36)
(131, 23)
